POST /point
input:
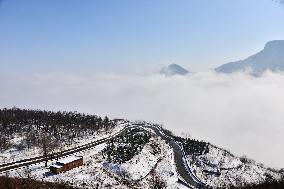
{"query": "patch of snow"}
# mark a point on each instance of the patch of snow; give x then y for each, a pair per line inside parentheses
(140, 165)
(69, 159)
(56, 165)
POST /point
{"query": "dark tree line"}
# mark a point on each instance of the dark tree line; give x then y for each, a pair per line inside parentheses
(190, 146)
(28, 183)
(193, 147)
(47, 129)
(123, 148)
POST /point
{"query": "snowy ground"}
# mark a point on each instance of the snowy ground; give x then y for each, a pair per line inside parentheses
(147, 164)
(219, 168)
(88, 176)
(14, 154)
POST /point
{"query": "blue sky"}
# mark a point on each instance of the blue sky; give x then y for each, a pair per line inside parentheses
(127, 35)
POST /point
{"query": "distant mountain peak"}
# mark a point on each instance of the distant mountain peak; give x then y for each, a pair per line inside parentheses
(274, 46)
(270, 58)
(174, 69)
(274, 43)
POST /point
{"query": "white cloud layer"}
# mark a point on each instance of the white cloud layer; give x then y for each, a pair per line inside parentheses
(242, 113)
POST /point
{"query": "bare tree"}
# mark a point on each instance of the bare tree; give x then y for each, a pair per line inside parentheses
(48, 145)
(31, 138)
(4, 143)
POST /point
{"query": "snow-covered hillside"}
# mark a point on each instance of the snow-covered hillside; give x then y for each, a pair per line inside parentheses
(221, 169)
(19, 151)
(153, 165)
(137, 155)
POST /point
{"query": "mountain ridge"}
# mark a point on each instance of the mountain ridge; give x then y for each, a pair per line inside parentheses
(271, 57)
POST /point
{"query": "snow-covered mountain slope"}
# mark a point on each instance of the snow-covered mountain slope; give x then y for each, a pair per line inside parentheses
(174, 69)
(270, 58)
(152, 167)
(142, 155)
(221, 169)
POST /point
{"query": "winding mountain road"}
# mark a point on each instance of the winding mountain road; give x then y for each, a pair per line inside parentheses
(182, 167)
(183, 170)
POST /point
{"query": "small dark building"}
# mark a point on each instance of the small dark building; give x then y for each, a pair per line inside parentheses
(66, 164)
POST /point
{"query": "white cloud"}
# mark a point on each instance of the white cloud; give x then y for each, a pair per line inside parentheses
(239, 112)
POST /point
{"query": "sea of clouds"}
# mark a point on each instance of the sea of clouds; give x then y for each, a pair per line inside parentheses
(240, 112)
